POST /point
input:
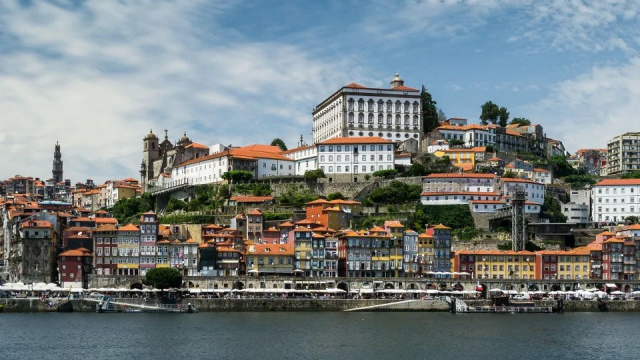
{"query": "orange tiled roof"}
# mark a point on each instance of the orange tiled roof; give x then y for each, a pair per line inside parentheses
(613, 182)
(129, 227)
(76, 252)
(251, 199)
(286, 224)
(36, 224)
(196, 145)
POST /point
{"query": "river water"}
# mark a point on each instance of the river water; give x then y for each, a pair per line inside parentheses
(310, 335)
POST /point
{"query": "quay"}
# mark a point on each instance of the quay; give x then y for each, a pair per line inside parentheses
(307, 304)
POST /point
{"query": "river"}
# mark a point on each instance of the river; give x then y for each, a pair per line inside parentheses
(309, 335)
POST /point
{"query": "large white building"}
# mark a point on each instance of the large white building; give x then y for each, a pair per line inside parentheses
(623, 153)
(615, 199)
(345, 158)
(359, 111)
(534, 191)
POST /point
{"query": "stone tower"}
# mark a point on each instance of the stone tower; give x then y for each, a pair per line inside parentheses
(150, 153)
(57, 164)
(397, 81)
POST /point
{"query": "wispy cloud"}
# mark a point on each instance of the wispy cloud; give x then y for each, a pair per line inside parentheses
(98, 75)
(590, 109)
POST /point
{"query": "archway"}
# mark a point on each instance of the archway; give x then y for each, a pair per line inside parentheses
(136, 285)
(534, 287)
(389, 286)
(250, 286)
(458, 287)
(556, 287)
(343, 286)
(187, 285)
(627, 288)
(412, 286)
(484, 290)
(238, 285)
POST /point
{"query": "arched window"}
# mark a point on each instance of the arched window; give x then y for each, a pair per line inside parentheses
(350, 104)
(360, 105)
(380, 118)
(389, 106)
(415, 120)
(370, 119)
(370, 105)
(406, 120)
(361, 118)
(398, 106)
(415, 107)
(351, 118)
(406, 106)
(380, 106)
(397, 119)
(389, 119)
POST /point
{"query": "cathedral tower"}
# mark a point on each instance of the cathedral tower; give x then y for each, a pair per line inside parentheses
(57, 164)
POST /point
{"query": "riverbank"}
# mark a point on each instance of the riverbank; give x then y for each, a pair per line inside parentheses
(301, 304)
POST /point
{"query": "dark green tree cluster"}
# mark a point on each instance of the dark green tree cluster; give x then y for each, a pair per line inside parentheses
(453, 216)
(253, 189)
(129, 210)
(238, 176)
(176, 205)
(163, 278)
(552, 211)
(429, 112)
(386, 174)
(520, 121)
(631, 175)
(492, 113)
(335, 196)
(426, 165)
(560, 167)
(279, 143)
(396, 193)
(295, 196)
(311, 175)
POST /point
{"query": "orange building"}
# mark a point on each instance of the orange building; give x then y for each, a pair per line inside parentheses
(335, 214)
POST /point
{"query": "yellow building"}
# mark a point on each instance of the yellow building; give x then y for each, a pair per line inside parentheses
(504, 264)
(303, 250)
(275, 259)
(425, 253)
(162, 255)
(466, 159)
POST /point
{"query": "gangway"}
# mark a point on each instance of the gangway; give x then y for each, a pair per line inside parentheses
(107, 305)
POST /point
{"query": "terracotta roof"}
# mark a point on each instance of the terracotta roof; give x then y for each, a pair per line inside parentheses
(376, 229)
(509, 166)
(251, 199)
(286, 224)
(355, 86)
(633, 227)
(196, 145)
(99, 220)
(441, 227)
(494, 158)
(36, 224)
(271, 249)
(318, 201)
(300, 148)
(129, 227)
(613, 182)
(106, 227)
(541, 170)
(255, 212)
(76, 252)
(356, 140)
(520, 181)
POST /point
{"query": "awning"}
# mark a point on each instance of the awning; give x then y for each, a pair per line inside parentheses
(612, 286)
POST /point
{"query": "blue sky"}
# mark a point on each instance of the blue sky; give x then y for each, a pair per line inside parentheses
(97, 75)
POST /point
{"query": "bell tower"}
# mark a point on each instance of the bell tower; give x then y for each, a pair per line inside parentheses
(57, 164)
(150, 153)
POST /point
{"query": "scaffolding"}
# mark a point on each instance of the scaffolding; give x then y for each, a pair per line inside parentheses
(518, 223)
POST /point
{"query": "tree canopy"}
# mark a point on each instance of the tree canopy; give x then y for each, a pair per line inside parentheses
(396, 193)
(520, 121)
(125, 209)
(314, 174)
(429, 112)
(279, 143)
(442, 116)
(163, 278)
(560, 167)
(387, 174)
(492, 113)
(335, 196)
(237, 176)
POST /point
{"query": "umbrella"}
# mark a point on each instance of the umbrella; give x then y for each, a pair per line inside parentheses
(617, 293)
(432, 291)
(496, 290)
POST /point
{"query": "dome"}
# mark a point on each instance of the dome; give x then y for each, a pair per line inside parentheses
(150, 135)
(184, 140)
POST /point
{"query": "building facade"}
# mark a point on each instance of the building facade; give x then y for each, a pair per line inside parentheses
(350, 159)
(615, 199)
(358, 111)
(623, 153)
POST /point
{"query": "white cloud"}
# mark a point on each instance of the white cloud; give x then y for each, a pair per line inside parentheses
(97, 76)
(587, 111)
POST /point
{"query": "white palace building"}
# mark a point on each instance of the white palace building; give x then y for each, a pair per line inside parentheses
(358, 111)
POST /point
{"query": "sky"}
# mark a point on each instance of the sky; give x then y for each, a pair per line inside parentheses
(97, 75)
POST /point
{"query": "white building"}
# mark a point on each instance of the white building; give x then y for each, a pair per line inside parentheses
(615, 199)
(623, 153)
(358, 111)
(437, 145)
(457, 189)
(350, 157)
(542, 176)
(534, 191)
(473, 135)
(305, 157)
(576, 213)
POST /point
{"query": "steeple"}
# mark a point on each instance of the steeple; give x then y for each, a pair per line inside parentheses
(57, 164)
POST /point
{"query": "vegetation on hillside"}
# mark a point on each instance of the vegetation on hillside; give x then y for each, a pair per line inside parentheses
(129, 210)
(163, 278)
(454, 216)
(296, 196)
(396, 193)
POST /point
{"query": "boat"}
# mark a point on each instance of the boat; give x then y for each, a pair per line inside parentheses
(602, 306)
(499, 305)
(66, 305)
(107, 305)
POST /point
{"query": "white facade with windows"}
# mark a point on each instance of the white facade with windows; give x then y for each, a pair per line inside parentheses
(576, 213)
(305, 158)
(358, 111)
(275, 167)
(534, 191)
(615, 199)
(472, 135)
(355, 156)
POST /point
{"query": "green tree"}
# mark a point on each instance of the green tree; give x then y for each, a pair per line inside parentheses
(279, 143)
(387, 174)
(632, 219)
(163, 278)
(175, 205)
(335, 196)
(453, 216)
(490, 113)
(396, 193)
(560, 167)
(520, 121)
(126, 209)
(631, 175)
(503, 116)
(509, 175)
(314, 174)
(429, 111)
(552, 211)
(442, 116)
(238, 176)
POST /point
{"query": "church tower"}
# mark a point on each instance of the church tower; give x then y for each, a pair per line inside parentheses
(57, 164)
(397, 81)
(150, 153)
